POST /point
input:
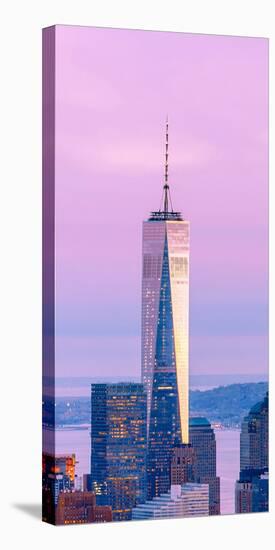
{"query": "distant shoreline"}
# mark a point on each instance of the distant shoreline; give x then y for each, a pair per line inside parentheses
(79, 387)
(224, 406)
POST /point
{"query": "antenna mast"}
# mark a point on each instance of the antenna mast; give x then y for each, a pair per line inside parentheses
(166, 186)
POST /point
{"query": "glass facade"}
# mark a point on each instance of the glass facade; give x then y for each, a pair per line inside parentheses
(254, 437)
(58, 475)
(260, 493)
(118, 446)
(178, 246)
(165, 308)
(251, 490)
(153, 248)
(203, 441)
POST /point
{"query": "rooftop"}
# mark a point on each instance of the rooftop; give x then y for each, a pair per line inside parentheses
(198, 421)
(260, 406)
(162, 215)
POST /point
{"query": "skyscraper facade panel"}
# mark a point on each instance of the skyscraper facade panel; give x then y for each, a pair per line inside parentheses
(118, 446)
(153, 247)
(165, 336)
(203, 441)
(254, 437)
(178, 253)
(165, 309)
(251, 489)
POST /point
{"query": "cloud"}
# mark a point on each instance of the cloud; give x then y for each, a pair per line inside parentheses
(131, 155)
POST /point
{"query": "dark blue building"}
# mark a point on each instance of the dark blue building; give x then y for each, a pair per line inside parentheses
(251, 490)
(254, 437)
(203, 440)
(118, 446)
(260, 493)
(164, 427)
(55, 480)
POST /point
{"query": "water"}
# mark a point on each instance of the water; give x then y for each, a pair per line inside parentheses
(228, 465)
(78, 442)
(228, 452)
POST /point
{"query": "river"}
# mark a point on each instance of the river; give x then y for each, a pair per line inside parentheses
(228, 458)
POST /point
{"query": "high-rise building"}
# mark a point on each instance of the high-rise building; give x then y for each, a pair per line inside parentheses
(254, 437)
(118, 446)
(58, 474)
(260, 493)
(187, 500)
(251, 490)
(183, 464)
(87, 482)
(67, 464)
(165, 335)
(57, 483)
(123, 493)
(59, 464)
(202, 438)
(54, 484)
(80, 507)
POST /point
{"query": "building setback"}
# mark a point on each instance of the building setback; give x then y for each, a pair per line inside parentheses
(202, 438)
(165, 336)
(118, 446)
(187, 500)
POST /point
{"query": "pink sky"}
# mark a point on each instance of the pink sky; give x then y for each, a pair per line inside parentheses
(114, 89)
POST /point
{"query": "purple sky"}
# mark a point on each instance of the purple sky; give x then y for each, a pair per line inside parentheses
(113, 91)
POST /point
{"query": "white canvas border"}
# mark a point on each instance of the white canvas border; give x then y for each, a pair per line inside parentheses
(21, 264)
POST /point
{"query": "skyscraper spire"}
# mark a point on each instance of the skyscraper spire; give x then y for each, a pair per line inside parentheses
(165, 336)
(166, 211)
(166, 186)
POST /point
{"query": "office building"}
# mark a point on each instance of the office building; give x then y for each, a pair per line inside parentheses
(60, 464)
(118, 446)
(254, 437)
(165, 335)
(260, 492)
(183, 464)
(80, 507)
(251, 489)
(187, 500)
(202, 438)
(57, 475)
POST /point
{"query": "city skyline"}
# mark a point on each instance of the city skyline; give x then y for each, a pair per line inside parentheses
(148, 456)
(109, 150)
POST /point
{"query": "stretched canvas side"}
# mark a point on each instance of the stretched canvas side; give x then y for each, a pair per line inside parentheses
(48, 282)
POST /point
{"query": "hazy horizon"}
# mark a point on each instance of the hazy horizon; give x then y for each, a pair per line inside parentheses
(73, 386)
